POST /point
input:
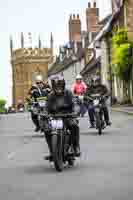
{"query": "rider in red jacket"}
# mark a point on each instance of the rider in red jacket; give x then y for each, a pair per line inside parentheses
(79, 89)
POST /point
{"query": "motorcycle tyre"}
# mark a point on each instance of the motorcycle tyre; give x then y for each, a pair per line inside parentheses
(57, 152)
(71, 162)
(98, 123)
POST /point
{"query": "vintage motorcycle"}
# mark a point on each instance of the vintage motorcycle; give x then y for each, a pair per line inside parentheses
(38, 107)
(61, 140)
(97, 101)
(77, 100)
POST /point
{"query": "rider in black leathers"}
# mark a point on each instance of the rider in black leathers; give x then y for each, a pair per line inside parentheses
(60, 100)
(40, 89)
(97, 88)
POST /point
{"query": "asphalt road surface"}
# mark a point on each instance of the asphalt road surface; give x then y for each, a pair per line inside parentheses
(104, 171)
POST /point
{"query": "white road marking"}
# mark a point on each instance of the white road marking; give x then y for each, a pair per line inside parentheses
(11, 155)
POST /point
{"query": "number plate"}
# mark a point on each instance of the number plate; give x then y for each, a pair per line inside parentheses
(42, 103)
(57, 124)
(35, 110)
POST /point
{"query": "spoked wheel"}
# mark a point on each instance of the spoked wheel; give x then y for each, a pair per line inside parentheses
(57, 152)
(98, 123)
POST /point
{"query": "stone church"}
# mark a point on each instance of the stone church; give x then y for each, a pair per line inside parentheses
(26, 64)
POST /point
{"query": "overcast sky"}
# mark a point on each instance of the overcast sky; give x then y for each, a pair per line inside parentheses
(38, 17)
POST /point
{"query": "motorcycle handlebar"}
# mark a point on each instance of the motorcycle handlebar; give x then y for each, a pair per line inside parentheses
(63, 115)
(93, 97)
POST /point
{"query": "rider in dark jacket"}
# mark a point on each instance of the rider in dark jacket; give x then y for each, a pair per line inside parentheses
(97, 88)
(60, 100)
(40, 89)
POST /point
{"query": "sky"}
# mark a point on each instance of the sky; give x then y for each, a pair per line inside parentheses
(38, 17)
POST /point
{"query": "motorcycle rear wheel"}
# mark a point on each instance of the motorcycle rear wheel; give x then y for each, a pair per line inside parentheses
(71, 162)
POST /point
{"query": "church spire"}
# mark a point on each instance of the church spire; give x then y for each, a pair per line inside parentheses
(30, 39)
(39, 43)
(51, 41)
(11, 45)
(22, 40)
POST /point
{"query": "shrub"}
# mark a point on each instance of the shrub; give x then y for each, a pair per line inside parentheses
(2, 105)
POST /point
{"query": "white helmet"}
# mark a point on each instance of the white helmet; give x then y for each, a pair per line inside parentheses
(39, 78)
(78, 77)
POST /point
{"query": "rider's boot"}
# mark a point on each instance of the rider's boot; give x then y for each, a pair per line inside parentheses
(48, 140)
(108, 123)
(37, 129)
(77, 151)
(92, 125)
(76, 145)
(36, 122)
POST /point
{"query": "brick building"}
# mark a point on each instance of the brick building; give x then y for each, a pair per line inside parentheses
(122, 17)
(72, 57)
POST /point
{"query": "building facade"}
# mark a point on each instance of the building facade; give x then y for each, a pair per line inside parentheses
(122, 18)
(26, 64)
(69, 68)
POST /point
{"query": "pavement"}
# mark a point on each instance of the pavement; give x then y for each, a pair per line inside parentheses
(104, 171)
(127, 109)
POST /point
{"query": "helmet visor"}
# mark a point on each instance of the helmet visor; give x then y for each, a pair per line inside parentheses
(59, 86)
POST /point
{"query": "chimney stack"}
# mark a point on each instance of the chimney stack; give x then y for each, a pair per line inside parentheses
(92, 17)
(74, 28)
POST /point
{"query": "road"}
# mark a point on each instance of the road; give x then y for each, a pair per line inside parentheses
(104, 171)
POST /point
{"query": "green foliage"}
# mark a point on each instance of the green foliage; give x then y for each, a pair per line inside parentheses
(2, 102)
(121, 57)
(2, 105)
(120, 37)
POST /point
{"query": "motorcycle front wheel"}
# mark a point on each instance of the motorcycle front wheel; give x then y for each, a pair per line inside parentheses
(57, 150)
(98, 123)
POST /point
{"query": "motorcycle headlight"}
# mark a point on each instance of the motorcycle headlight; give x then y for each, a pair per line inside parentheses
(42, 103)
(96, 102)
(56, 124)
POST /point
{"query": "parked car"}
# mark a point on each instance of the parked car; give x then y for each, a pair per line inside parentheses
(20, 107)
(11, 110)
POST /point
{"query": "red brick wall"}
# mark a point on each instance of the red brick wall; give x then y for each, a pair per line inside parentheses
(74, 28)
(92, 18)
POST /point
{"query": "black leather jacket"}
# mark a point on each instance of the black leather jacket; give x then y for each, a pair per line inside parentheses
(35, 92)
(63, 103)
(99, 89)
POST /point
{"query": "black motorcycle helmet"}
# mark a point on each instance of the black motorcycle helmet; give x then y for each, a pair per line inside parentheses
(58, 84)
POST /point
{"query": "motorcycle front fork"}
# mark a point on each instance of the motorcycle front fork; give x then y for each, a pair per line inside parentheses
(102, 118)
(100, 113)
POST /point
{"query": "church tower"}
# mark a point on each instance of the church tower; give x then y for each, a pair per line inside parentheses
(27, 62)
